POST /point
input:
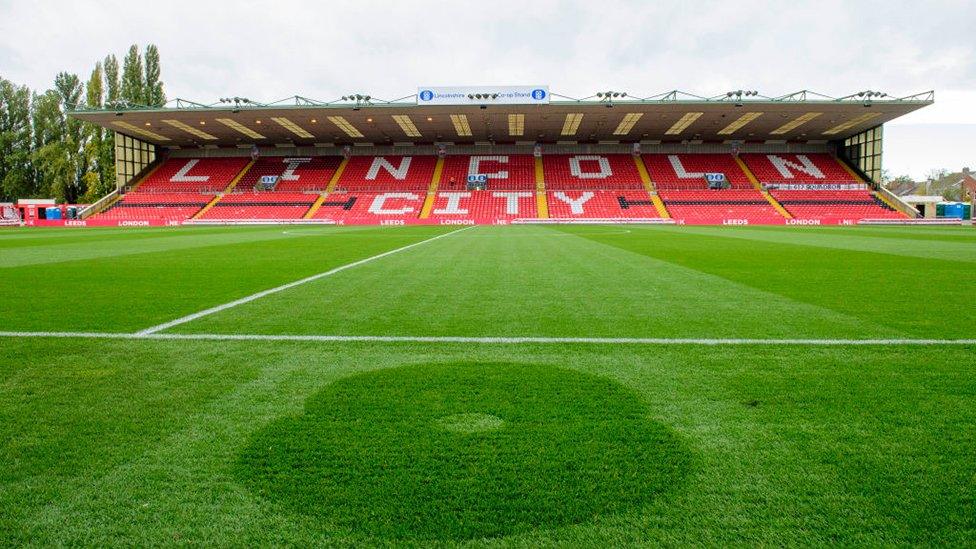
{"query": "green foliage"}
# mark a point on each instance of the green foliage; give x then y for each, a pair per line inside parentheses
(16, 171)
(45, 153)
(49, 152)
(112, 95)
(154, 94)
(133, 78)
(94, 180)
(113, 90)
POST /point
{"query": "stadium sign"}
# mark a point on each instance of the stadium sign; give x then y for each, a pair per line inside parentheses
(470, 95)
(817, 186)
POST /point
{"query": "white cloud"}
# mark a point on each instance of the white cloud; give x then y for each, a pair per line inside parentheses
(269, 51)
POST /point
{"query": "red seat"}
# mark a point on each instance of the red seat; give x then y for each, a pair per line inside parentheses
(155, 206)
(687, 171)
(294, 173)
(193, 175)
(387, 173)
(261, 205)
(484, 207)
(590, 171)
(720, 207)
(835, 206)
(504, 171)
(797, 168)
(372, 208)
(614, 204)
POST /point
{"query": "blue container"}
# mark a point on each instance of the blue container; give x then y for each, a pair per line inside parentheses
(53, 213)
(954, 210)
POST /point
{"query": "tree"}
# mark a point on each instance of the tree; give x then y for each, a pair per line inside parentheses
(133, 85)
(44, 152)
(69, 89)
(93, 179)
(113, 92)
(52, 166)
(113, 89)
(154, 94)
(16, 172)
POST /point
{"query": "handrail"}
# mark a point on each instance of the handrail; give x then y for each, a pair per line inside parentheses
(894, 200)
(98, 205)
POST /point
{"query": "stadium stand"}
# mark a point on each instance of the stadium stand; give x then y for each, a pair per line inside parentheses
(193, 175)
(387, 173)
(687, 171)
(489, 206)
(720, 207)
(370, 208)
(393, 189)
(797, 168)
(175, 191)
(590, 171)
(505, 172)
(835, 205)
(162, 207)
(252, 205)
(601, 204)
(294, 173)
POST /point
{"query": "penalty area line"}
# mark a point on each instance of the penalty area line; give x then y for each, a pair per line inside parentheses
(493, 340)
(283, 287)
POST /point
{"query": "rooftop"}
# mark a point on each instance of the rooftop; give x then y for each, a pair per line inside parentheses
(608, 117)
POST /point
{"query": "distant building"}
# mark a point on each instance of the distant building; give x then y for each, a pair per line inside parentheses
(968, 182)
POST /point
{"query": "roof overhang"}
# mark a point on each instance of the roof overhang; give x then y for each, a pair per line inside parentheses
(671, 120)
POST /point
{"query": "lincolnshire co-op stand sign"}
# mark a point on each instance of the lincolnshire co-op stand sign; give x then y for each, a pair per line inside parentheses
(483, 95)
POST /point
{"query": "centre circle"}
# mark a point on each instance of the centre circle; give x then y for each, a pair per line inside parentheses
(463, 451)
(470, 423)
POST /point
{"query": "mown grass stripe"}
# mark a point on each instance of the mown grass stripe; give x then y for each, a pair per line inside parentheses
(283, 287)
(502, 340)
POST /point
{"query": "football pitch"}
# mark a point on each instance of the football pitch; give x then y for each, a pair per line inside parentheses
(503, 386)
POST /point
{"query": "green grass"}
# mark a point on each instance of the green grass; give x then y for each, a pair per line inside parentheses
(138, 442)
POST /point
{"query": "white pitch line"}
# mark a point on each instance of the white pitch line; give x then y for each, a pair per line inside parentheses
(660, 341)
(283, 287)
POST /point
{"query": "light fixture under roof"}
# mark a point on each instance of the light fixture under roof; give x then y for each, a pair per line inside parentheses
(683, 123)
(627, 123)
(516, 124)
(345, 126)
(851, 123)
(235, 125)
(139, 131)
(292, 127)
(407, 125)
(191, 130)
(572, 123)
(738, 123)
(795, 123)
(461, 125)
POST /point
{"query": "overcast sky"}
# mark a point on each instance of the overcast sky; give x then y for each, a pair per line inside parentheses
(386, 49)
